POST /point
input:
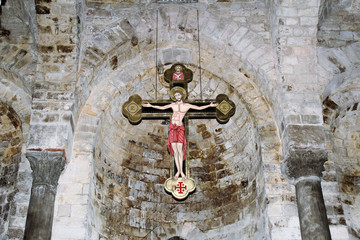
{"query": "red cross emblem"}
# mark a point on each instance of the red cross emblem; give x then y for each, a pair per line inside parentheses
(180, 187)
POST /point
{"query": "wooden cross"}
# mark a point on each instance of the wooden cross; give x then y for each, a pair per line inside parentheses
(135, 112)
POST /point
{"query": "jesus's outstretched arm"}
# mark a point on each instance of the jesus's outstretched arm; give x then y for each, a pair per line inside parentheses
(202, 107)
(157, 107)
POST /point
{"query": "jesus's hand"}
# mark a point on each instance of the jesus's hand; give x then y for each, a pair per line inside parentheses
(213, 104)
(146, 105)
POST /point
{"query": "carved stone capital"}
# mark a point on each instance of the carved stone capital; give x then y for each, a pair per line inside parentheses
(46, 167)
(304, 162)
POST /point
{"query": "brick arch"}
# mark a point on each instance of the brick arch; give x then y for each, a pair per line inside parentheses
(342, 92)
(341, 112)
(17, 97)
(11, 138)
(111, 84)
(346, 152)
(109, 87)
(252, 74)
(341, 98)
(10, 148)
(240, 47)
(346, 136)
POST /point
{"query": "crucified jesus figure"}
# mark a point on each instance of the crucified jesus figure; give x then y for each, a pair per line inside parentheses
(177, 141)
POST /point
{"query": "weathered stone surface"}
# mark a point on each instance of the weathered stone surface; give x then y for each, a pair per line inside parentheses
(304, 151)
(47, 167)
(312, 211)
(303, 136)
(10, 154)
(290, 65)
(304, 162)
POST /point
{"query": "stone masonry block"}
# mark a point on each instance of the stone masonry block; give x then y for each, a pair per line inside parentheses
(71, 189)
(291, 60)
(339, 232)
(311, 21)
(238, 35)
(292, 21)
(308, 12)
(305, 162)
(64, 211)
(78, 210)
(310, 3)
(303, 137)
(48, 136)
(288, 12)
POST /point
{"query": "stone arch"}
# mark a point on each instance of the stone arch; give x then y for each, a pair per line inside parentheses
(10, 154)
(114, 76)
(238, 45)
(17, 99)
(341, 117)
(17, 96)
(87, 129)
(346, 149)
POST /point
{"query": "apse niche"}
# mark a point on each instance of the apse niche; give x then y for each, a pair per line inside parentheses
(131, 164)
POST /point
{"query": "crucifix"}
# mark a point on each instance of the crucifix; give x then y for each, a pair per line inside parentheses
(179, 109)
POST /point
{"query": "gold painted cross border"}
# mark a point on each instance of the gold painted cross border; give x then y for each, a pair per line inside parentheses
(135, 112)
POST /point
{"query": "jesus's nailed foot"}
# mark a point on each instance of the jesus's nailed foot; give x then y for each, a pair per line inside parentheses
(176, 176)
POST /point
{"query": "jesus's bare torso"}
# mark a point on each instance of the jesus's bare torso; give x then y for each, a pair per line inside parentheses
(179, 111)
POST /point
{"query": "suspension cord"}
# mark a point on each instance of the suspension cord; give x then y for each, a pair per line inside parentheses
(198, 23)
(156, 53)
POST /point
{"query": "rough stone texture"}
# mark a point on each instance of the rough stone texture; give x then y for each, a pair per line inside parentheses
(10, 152)
(311, 207)
(51, 119)
(333, 203)
(304, 151)
(294, 28)
(346, 155)
(308, 162)
(292, 66)
(47, 167)
(340, 24)
(225, 180)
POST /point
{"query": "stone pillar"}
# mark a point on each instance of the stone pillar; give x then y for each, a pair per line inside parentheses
(304, 167)
(46, 169)
(311, 209)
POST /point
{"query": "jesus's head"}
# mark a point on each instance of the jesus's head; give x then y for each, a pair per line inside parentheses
(178, 96)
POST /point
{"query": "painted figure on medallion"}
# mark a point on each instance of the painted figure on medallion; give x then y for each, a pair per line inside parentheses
(178, 75)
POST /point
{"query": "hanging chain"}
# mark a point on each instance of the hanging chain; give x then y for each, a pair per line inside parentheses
(198, 23)
(156, 53)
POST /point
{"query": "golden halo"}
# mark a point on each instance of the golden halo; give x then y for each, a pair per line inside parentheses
(177, 89)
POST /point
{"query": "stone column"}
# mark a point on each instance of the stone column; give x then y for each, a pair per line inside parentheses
(311, 208)
(304, 167)
(46, 169)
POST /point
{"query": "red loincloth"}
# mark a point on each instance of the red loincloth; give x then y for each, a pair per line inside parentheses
(177, 134)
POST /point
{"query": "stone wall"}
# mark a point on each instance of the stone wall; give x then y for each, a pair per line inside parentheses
(53, 97)
(132, 163)
(340, 26)
(263, 53)
(347, 149)
(10, 153)
(112, 65)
